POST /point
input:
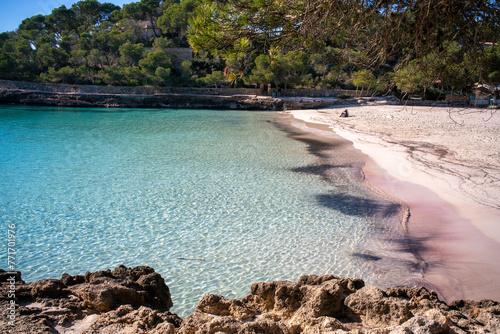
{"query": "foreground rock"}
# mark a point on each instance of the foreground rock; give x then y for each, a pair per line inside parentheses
(329, 304)
(125, 300)
(136, 300)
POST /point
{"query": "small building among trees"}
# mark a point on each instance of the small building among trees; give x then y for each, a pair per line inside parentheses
(482, 96)
(149, 29)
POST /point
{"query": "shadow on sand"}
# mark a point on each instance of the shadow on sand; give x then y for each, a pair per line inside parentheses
(358, 206)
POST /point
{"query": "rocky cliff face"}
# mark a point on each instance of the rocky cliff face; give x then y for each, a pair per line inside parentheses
(136, 300)
(63, 95)
(96, 100)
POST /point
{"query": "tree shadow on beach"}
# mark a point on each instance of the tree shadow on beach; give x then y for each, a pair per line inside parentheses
(316, 146)
(358, 206)
(416, 247)
(319, 170)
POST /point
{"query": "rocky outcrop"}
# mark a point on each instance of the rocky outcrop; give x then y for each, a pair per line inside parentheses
(329, 304)
(168, 100)
(64, 95)
(133, 300)
(163, 100)
(136, 300)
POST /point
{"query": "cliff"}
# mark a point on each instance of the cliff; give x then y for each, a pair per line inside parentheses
(136, 300)
(63, 95)
(165, 100)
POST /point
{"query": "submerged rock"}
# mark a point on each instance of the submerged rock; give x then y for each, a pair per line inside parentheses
(137, 300)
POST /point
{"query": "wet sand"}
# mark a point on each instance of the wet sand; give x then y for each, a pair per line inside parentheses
(444, 164)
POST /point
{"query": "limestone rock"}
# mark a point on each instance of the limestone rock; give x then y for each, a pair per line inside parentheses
(130, 100)
(311, 306)
(329, 304)
(373, 306)
(52, 288)
(158, 292)
(8, 275)
(104, 290)
(281, 298)
(69, 280)
(136, 300)
(127, 320)
(221, 306)
(480, 316)
(104, 297)
(432, 322)
(137, 297)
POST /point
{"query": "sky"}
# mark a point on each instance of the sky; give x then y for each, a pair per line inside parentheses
(12, 12)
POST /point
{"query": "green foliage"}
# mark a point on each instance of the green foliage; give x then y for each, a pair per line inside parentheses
(215, 79)
(130, 54)
(487, 66)
(280, 69)
(95, 43)
(408, 80)
(153, 60)
(261, 74)
(49, 56)
(92, 13)
(162, 76)
(364, 79)
(65, 74)
(174, 20)
(186, 70)
(425, 43)
(162, 44)
(61, 20)
(451, 69)
(413, 46)
(8, 65)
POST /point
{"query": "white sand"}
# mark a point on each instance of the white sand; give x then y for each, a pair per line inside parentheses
(445, 165)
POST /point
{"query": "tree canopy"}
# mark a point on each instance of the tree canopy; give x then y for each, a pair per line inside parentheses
(97, 43)
(404, 35)
(411, 46)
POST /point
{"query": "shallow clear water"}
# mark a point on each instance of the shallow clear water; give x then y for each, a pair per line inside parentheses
(211, 199)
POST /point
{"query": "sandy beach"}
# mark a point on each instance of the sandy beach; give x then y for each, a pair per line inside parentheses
(444, 164)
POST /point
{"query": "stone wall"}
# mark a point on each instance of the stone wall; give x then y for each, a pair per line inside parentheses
(180, 55)
(327, 92)
(148, 90)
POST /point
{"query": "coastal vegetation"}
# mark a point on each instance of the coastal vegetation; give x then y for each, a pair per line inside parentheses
(407, 47)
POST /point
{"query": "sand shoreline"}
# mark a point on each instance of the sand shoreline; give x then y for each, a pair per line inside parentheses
(444, 164)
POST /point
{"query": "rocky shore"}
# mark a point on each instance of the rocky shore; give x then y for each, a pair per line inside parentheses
(191, 101)
(63, 95)
(170, 100)
(137, 300)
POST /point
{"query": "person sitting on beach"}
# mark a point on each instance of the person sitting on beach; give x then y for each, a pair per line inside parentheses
(344, 113)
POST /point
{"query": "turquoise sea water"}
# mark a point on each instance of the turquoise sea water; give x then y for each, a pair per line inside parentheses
(209, 198)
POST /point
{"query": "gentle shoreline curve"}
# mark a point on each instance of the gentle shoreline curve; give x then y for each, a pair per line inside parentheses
(392, 260)
(137, 300)
(444, 164)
